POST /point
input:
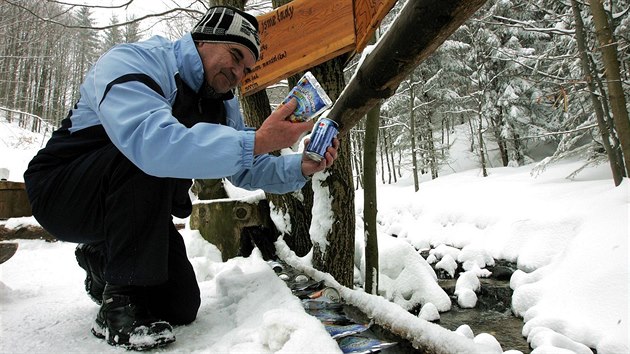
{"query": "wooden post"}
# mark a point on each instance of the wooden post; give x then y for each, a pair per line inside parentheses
(220, 222)
(13, 200)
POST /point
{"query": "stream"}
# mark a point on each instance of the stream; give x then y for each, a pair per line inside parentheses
(503, 326)
(492, 314)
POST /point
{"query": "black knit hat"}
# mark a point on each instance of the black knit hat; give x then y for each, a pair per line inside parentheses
(228, 24)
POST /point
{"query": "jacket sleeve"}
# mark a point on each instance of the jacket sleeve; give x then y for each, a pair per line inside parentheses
(132, 95)
(273, 174)
(131, 98)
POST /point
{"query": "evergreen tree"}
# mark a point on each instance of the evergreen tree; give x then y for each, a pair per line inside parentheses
(85, 48)
(131, 31)
(112, 35)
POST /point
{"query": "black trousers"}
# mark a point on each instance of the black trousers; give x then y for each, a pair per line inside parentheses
(102, 197)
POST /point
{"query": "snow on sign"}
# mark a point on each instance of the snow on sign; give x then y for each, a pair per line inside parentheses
(305, 33)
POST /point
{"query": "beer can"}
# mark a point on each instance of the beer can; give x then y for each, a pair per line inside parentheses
(276, 266)
(311, 99)
(284, 276)
(301, 278)
(321, 138)
(327, 294)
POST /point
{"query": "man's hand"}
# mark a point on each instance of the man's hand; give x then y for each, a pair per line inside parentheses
(277, 132)
(309, 166)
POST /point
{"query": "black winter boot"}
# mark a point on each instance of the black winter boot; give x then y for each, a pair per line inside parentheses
(92, 259)
(124, 321)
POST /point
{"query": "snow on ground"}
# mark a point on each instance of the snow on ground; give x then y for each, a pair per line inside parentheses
(569, 239)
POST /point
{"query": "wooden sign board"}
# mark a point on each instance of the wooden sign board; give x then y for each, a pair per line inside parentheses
(300, 35)
(368, 15)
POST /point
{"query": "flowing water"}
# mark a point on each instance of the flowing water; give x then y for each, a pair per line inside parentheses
(503, 326)
(492, 314)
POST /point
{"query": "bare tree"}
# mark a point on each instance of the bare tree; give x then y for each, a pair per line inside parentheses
(370, 201)
(616, 163)
(608, 47)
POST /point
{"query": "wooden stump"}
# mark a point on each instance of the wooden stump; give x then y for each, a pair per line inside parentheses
(221, 222)
(13, 200)
(7, 250)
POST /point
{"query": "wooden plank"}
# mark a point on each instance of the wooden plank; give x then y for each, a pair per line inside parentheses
(368, 15)
(298, 36)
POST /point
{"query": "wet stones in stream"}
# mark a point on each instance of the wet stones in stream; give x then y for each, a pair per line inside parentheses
(492, 312)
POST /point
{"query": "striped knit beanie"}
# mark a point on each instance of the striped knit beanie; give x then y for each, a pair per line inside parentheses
(228, 24)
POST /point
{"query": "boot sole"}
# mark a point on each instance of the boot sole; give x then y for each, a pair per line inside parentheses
(162, 339)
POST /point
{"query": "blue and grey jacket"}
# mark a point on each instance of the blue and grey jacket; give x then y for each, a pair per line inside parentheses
(145, 99)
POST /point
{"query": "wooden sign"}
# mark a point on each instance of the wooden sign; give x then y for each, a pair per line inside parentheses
(300, 35)
(305, 33)
(368, 15)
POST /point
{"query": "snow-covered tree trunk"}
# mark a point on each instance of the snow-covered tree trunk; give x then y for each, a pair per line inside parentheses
(335, 255)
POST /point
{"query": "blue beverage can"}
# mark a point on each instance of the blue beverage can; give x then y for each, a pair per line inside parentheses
(321, 138)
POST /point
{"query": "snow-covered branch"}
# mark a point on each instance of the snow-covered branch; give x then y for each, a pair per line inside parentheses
(526, 26)
(590, 126)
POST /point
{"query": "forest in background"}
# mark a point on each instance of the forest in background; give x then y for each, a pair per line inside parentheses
(515, 74)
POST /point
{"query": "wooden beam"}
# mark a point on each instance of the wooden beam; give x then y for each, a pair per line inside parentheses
(421, 27)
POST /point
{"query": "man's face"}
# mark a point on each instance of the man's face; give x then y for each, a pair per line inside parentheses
(225, 64)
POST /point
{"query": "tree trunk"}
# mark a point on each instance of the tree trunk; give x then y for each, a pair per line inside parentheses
(614, 160)
(337, 258)
(518, 154)
(370, 200)
(412, 133)
(390, 165)
(613, 79)
(358, 164)
(498, 126)
(369, 197)
(482, 155)
(382, 153)
(392, 150)
(472, 135)
(431, 154)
